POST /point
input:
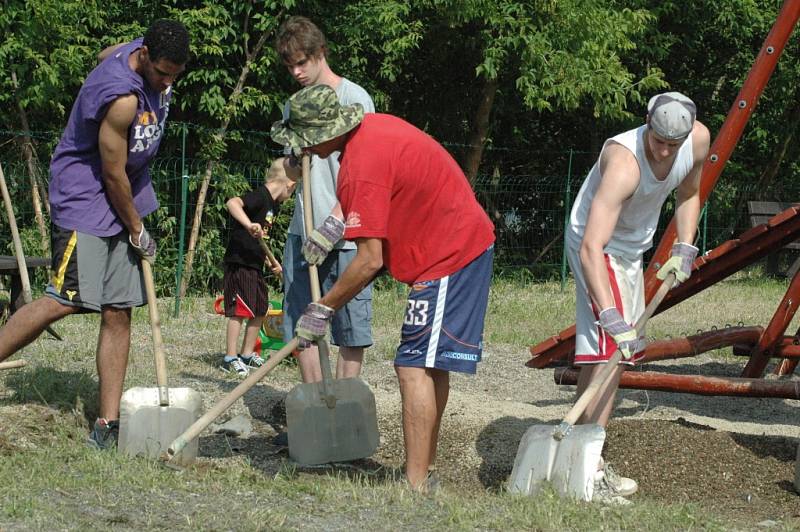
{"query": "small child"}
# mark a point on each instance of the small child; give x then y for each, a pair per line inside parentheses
(245, 291)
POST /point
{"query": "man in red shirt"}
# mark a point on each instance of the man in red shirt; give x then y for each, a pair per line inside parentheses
(410, 209)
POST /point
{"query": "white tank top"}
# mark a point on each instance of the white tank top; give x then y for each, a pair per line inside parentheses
(638, 219)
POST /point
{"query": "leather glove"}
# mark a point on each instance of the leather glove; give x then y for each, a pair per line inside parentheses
(322, 239)
(146, 248)
(680, 262)
(623, 334)
(313, 324)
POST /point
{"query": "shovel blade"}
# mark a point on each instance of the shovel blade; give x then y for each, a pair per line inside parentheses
(147, 429)
(569, 465)
(319, 434)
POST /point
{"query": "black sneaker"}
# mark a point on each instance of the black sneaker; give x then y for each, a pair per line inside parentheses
(104, 435)
(234, 366)
(253, 360)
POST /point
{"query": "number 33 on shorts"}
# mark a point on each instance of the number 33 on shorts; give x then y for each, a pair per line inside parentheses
(416, 312)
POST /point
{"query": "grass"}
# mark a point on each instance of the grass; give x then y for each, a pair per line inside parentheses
(54, 482)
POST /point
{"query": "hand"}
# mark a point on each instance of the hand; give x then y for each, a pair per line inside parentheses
(144, 246)
(680, 262)
(624, 335)
(277, 269)
(313, 324)
(322, 239)
(255, 230)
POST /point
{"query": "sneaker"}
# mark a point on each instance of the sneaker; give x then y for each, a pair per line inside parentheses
(623, 485)
(254, 360)
(234, 365)
(104, 435)
(605, 494)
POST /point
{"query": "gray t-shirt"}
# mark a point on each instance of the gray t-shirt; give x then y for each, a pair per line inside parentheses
(324, 172)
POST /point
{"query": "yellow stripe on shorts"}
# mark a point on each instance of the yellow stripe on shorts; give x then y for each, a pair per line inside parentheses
(58, 279)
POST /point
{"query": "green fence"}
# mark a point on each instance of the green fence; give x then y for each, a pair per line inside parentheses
(529, 211)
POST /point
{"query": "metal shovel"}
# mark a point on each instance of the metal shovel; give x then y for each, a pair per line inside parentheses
(150, 418)
(333, 420)
(567, 455)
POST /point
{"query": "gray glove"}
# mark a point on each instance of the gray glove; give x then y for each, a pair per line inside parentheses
(147, 246)
(623, 334)
(322, 239)
(680, 262)
(313, 324)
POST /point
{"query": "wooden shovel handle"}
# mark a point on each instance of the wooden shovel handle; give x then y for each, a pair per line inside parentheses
(600, 379)
(313, 274)
(155, 331)
(273, 262)
(12, 222)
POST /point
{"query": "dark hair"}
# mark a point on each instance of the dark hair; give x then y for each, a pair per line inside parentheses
(167, 39)
(298, 34)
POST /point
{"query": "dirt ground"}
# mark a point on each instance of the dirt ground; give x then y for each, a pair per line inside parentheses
(734, 456)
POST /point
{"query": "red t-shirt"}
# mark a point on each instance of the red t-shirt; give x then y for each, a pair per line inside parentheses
(398, 184)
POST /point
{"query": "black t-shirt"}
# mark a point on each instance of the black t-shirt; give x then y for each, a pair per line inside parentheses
(242, 247)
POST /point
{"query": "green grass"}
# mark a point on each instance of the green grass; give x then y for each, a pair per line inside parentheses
(53, 482)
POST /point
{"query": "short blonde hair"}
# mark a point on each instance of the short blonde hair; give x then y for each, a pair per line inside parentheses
(276, 172)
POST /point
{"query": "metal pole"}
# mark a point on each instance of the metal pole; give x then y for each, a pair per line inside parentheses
(182, 230)
(567, 199)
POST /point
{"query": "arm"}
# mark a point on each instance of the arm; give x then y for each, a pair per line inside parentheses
(107, 52)
(688, 206)
(620, 177)
(236, 208)
(113, 144)
(363, 269)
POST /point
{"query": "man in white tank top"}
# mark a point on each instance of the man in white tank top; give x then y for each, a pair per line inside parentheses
(612, 224)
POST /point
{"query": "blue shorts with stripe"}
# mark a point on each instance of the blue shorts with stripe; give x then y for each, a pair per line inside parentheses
(443, 325)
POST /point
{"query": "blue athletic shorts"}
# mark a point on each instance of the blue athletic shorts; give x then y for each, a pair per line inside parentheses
(443, 325)
(351, 326)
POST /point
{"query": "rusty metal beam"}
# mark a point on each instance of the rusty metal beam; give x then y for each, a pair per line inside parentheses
(695, 384)
(786, 367)
(700, 343)
(787, 347)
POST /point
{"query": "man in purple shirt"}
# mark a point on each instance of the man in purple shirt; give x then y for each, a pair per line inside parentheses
(100, 190)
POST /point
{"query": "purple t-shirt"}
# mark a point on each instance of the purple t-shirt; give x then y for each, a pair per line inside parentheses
(77, 192)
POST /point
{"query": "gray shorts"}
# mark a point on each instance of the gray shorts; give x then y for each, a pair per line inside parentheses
(351, 326)
(92, 272)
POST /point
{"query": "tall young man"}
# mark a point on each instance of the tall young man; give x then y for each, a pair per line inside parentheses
(100, 190)
(612, 223)
(408, 207)
(303, 50)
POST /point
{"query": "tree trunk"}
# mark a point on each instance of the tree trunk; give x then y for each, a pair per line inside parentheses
(218, 137)
(477, 139)
(28, 152)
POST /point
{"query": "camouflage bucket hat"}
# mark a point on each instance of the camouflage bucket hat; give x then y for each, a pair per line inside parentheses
(312, 116)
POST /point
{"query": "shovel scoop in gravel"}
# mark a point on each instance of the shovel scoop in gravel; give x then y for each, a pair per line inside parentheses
(151, 418)
(566, 456)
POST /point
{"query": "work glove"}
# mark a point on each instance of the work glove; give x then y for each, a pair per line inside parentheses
(146, 248)
(623, 334)
(322, 239)
(680, 262)
(313, 324)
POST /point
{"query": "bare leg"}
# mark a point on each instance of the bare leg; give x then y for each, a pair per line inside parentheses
(441, 383)
(27, 323)
(251, 335)
(349, 362)
(421, 416)
(113, 346)
(308, 361)
(599, 409)
(232, 335)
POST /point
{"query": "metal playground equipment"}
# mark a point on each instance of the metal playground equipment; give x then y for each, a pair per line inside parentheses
(759, 344)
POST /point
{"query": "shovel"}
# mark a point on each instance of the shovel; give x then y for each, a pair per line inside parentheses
(21, 265)
(567, 455)
(150, 418)
(333, 420)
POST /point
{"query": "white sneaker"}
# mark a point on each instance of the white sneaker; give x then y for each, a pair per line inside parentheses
(604, 493)
(623, 485)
